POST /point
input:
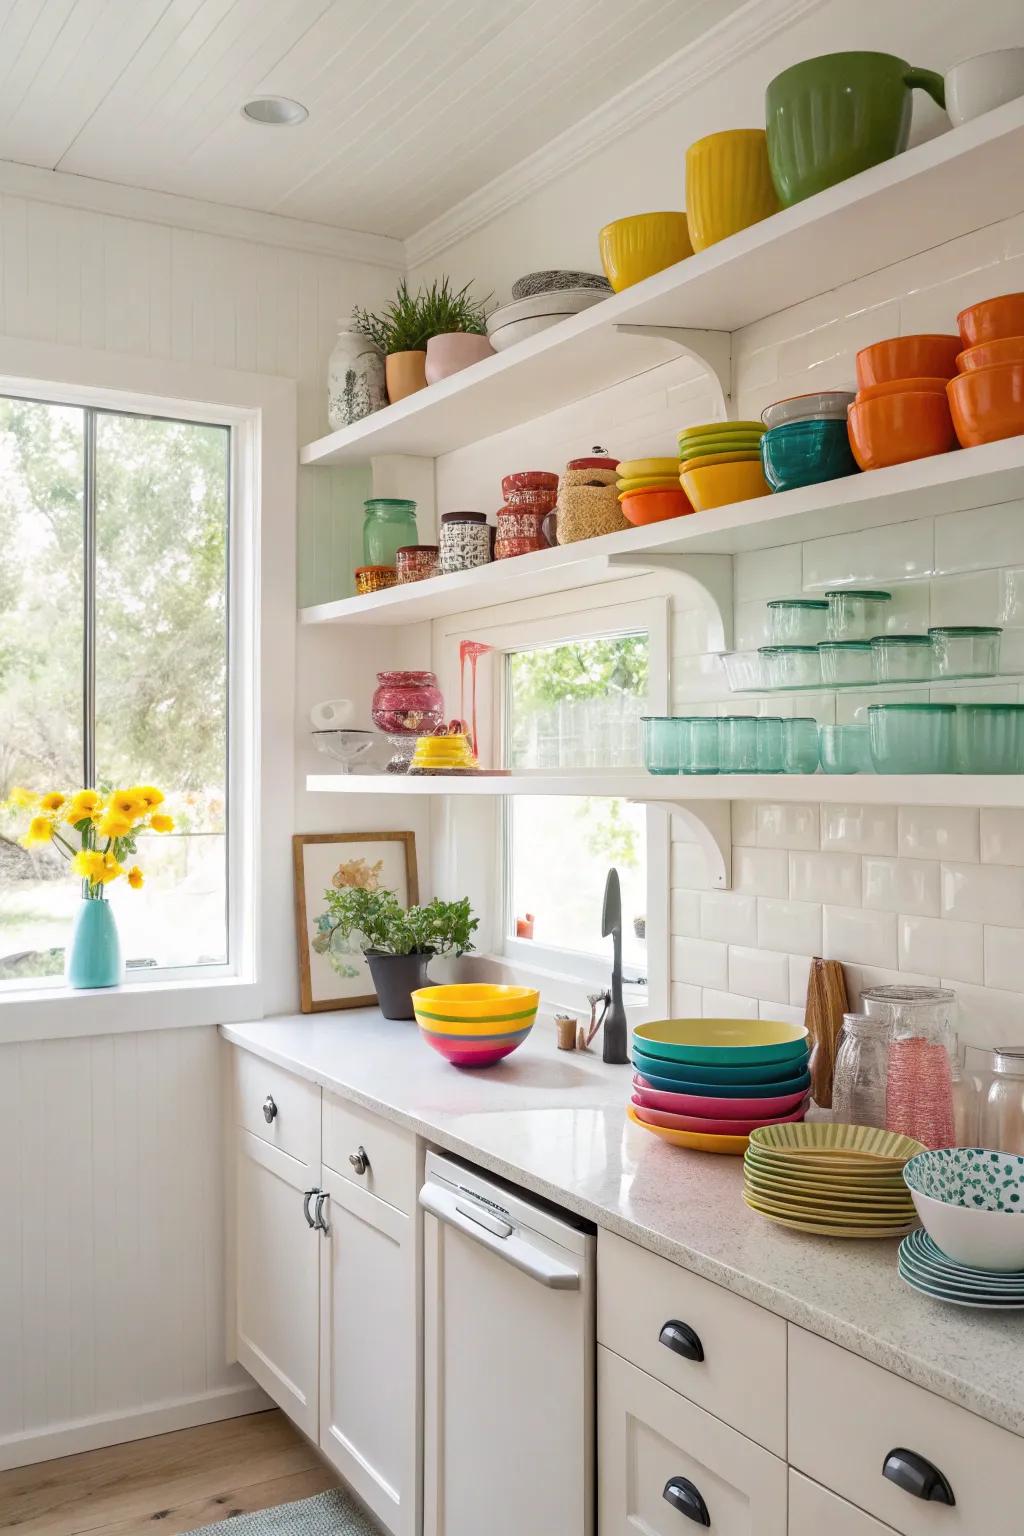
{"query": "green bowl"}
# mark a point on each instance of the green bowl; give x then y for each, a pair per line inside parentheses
(721, 1042)
(711, 1076)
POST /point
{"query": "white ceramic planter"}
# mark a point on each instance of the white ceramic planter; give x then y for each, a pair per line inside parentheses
(454, 351)
(355, 380)
(978, 85)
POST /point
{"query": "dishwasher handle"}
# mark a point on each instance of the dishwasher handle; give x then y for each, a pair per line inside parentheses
(447, 1207)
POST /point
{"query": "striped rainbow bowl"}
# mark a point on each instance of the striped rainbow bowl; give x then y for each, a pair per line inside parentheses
(475, 1024)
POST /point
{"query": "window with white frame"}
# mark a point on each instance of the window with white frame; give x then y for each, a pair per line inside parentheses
(114, 666)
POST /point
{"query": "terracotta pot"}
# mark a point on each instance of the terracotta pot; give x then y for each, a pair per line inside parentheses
(405, 373)
(454, 351)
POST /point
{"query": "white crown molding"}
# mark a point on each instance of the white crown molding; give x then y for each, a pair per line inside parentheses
(739, 34)
(123, 202)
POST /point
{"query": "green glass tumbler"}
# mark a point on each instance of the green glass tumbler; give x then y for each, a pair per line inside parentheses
(702, 748)
(990, 738)
(769, 744)
(737, 737)
(800, 745)
(661, 743)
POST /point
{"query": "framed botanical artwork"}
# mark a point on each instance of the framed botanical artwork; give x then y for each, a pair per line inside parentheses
(333, 973)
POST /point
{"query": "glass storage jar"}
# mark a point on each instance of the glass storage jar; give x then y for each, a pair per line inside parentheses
(1002, 1113)
(737, 738)
(797, 620)
(662, 743)
(465, 541)
(919, 1084)
(989, 738)
(861, 1070)
(800, 745)
(703, 752)
(965, 650)
(856, 614)
(388, 523)
(901, 658)
(845, 749)
(744, 671)
(845, 662)
(792, 666)
(769, 744)
(912, 738)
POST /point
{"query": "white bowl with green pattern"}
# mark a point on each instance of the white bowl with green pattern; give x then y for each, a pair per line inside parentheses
(971, 1203)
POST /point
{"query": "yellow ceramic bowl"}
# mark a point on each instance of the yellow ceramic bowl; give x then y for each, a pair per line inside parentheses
(728, 185)
(718, 484)
(629, 469)
(475, 1008)
(740, 456)
(732, 1146)
(632, 249)
(649, 482)
(720, 429)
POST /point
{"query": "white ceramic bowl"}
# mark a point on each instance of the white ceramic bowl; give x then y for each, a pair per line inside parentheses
(988, 80)
(830, 405)
(567, 301)
(971, 1203)
(508, 335)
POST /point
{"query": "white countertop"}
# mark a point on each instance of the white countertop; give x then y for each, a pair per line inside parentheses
(554, 1123)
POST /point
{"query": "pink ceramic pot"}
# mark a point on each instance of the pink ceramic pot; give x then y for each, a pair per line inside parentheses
(454, 351)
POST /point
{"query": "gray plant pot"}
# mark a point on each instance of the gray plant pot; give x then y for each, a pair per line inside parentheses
(395, 979)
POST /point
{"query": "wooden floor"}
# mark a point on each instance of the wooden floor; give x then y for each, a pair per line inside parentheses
(168, 1484)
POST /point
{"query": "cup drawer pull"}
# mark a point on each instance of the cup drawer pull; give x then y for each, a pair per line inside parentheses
(916, 1475)
(686, 1497)
(681, 1339)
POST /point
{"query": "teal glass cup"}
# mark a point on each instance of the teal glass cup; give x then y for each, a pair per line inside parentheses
(990, 738)
(800, 746)
(845, 749)
(701, 745)
(769, 744)
(663, 743)
(737, 737)
(912, 738)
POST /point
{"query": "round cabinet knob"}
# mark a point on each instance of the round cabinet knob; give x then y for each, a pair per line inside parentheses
(269, 1109)
(359, 1160)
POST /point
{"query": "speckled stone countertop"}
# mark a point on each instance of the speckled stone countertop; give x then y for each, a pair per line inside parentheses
(554, 1123)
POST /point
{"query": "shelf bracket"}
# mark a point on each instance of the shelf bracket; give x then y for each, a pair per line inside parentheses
(710, 822)
(712, 575)
(712, 349)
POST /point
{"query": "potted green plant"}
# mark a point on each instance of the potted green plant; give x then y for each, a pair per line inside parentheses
(398, 944)
(401, 331)
(457, 330)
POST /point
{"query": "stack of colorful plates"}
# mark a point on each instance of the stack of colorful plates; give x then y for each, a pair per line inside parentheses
(927, 1269)
(642, 474)
(707, 1083)
(719, 442)
(834, 1180)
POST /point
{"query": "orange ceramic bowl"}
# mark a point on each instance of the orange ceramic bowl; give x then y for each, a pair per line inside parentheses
(988, 403)
(902, 387)
(895, 428)
(654, 505)
(1008, 349)
(908, 357)
(992, 319)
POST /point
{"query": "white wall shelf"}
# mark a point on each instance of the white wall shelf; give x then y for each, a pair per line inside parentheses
(948, 482)
(959, 182)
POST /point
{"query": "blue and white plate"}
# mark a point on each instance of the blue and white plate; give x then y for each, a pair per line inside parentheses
(925, 1268)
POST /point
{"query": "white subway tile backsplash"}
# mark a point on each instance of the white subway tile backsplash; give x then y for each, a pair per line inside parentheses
(937, 944)
(902, 885)
(946, 832)
(860, 977)
(728, 918)
(909, 611)
(767, 573)
(759, 973)
(760, 871)
(1002, 836)
(1003, 959)
(684, 919)
(852, 934)
(727, 1005)
(788, 826)
(1011, 596)
(689, 868)
(983, 893)
(686, 1001)
(989, 1017)
(825, 877)
(791, 926)
(700, 963)
(744, 824)
(858, 828)
(750, 625)
(980, 538)
(901, 552)
(799, 970)
(781, 1013)
(969, 599)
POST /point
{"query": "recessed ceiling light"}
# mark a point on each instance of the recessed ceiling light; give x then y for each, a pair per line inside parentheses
(275, 111)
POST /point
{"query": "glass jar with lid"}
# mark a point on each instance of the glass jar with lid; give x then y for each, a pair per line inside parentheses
(1002, 1112)
(919, 1085)
(389, 524)
(861, 1070)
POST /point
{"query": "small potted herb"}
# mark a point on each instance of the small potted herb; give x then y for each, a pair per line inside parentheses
(457, 327)
(401, 331)
(398, 944)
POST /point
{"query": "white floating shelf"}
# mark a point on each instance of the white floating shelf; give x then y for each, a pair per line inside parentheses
(948, 482)
(859, 789)
(959, 182)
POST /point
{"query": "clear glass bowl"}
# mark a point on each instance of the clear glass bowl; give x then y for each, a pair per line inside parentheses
(844, 662)
(792, 666)
(797, 621)
(912, 738)
(856, 614)
(845, 749)
(989, 738)
(965, 650)
(800, 745)
(901, 658)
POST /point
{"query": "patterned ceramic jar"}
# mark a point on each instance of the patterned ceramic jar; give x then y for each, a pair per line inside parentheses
(407, 703)
(374, 578)
(533, 489)
(416, 562)
(465, 541)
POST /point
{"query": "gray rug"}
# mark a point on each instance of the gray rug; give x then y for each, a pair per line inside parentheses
(325, 1514)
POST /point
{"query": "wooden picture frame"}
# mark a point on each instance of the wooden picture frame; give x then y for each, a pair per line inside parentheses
(315, 866)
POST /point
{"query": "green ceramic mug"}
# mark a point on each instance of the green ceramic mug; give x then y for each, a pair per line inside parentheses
(830, 117)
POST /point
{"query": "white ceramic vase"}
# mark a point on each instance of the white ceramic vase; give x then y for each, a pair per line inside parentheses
(355, 380)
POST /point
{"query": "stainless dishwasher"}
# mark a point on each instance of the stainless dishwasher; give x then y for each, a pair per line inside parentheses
(508, 1361)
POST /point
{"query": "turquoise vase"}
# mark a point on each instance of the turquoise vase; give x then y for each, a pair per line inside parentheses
(94, 954)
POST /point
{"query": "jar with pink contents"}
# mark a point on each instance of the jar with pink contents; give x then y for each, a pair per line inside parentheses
(919, 1089)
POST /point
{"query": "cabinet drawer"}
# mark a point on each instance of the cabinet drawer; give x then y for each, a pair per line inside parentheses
(293, 1107)
(655, 1446)
(742, 1377)
(845, 1417)
(813, 1511)
(390, 1153)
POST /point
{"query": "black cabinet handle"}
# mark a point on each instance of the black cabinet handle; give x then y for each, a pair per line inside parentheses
(681, 1339)
(686, 1497)
(916, 1475)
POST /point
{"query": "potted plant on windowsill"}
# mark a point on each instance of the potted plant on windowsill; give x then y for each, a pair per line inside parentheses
(398, 944)
(401, 331)
(457, 330)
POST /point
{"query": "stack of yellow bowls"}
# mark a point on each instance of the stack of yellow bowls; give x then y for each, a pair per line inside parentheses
(720, 462)
(639, 474)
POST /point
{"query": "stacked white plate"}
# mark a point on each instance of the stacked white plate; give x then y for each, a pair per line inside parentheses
(514, 322)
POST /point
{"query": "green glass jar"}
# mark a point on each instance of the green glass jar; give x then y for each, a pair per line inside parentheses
(389, 524)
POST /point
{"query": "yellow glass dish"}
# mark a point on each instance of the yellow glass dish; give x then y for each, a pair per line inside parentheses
(630, 468)
(718, 485)
(475, 1008)
(635, 248)
(731, 1146)
(728, 185)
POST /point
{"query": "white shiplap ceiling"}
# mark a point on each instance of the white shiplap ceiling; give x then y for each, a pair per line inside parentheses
(413, 104)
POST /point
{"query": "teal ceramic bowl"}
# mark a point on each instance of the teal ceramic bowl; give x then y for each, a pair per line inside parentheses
(713, 1077)
(796, 1083)
(806, 453)
(721, 1042)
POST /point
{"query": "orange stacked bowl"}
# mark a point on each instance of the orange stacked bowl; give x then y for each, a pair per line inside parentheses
(901, 411)
(986, 397)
